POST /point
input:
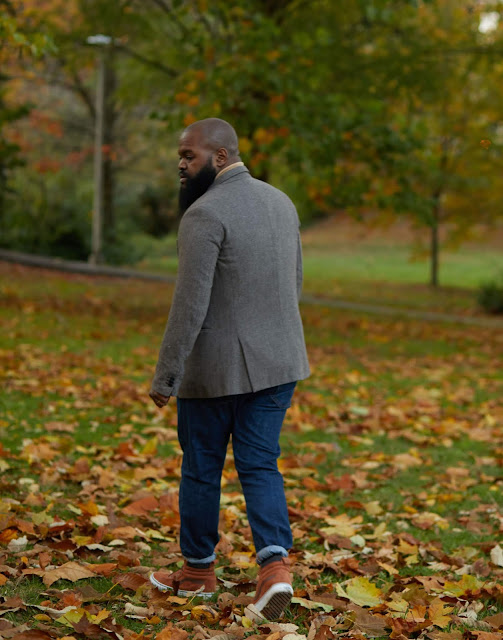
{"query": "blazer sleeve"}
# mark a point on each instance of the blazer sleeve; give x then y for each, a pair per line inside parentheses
(200, 238)
(299, 267)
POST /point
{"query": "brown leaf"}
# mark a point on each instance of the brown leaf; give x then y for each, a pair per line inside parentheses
(372, 625)
(105, 569)
(125, 533)
(15, 631)
(33, 634)
(495, 621)
(44, 559)
(132, 581)
(172, 633)
(88, 629)
(69, 571)
(143, 507)
(328, 598)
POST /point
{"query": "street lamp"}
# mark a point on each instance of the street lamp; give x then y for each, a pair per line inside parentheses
(96, 256)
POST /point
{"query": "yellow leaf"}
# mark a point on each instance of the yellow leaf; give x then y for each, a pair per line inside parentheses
(398, 604)
(246, 622)
(387, 567)
(150, 447)
(311, 604)
(71, 617)
(438, 613)
(206, 614)
(42, 617)
(362, 592)
(413, 559)
(373, 508)
(467, 583)
(99, 617)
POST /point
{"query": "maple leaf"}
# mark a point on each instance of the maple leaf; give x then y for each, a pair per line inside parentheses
(69, 571)
(467, 583)
(438, 613)
(361, 591)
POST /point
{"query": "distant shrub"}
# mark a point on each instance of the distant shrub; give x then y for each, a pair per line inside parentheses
(490, 295)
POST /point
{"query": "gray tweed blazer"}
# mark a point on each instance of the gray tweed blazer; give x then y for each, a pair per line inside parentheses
(234, 324)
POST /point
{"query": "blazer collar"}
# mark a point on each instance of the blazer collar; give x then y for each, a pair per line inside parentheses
(230, 174)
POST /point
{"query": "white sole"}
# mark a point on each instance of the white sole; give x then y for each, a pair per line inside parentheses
(275, 600)
(181, 592)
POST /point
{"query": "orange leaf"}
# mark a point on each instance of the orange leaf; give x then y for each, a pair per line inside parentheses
(172, 633)
(438, 613)
(105, 569)
(143, 507)
(131, 581)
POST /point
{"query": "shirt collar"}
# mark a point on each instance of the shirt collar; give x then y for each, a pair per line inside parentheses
(231, 166)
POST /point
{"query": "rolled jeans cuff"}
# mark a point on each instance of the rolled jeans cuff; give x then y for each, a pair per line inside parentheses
(202, 560)
(272, 550)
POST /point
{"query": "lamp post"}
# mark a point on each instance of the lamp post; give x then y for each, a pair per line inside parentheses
(96, 256)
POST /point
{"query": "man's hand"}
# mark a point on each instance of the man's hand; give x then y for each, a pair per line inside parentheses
(160, 400)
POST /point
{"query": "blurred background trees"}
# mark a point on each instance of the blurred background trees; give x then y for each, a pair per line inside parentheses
(367, 106)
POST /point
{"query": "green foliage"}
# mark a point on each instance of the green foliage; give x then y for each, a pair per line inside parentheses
(48, 214)
(10, 156)
(490, 295)
(358, 104)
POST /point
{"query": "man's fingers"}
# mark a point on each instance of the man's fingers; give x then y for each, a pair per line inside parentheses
(160, 400)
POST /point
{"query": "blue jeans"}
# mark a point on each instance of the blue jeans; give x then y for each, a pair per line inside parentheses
(204, 429)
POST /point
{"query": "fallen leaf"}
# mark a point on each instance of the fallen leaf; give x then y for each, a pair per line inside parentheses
(361, 591)
(143, 507)
(311, 605)
(497, 556)
(206, 614)
(438, 613)
(132, 581)
(172, 633)
(69, 571)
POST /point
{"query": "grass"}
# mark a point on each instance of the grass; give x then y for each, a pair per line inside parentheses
(399, 427)
(361, 262)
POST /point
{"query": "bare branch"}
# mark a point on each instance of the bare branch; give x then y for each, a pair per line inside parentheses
(147, 61)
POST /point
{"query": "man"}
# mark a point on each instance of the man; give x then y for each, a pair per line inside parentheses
(232, 352)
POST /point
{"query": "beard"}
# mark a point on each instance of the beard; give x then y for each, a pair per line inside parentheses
(196, 186)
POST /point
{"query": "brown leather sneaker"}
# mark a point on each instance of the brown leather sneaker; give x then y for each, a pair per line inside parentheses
(187, 581)
(274, 589)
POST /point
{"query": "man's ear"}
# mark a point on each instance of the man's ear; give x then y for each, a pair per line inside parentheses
(221, 157)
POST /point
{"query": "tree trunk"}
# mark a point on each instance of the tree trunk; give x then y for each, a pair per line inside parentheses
(435, 242)
(108, 143)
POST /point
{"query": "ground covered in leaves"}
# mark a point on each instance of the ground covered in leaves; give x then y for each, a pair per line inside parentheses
(392, 458)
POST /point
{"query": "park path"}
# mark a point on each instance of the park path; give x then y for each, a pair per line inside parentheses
(75, 266)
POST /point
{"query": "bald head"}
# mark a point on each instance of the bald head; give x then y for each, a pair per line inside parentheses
(206, 148)
(215, 134)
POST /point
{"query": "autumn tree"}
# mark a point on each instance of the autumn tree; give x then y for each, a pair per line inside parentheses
(14, 41)
(450, 182)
